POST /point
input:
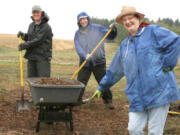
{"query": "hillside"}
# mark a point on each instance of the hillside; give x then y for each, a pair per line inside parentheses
(11, 41)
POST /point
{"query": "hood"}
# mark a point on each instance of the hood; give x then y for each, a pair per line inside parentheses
(44, 18)
(83, 15)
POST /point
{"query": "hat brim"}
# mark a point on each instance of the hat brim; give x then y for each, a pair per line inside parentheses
(120, 16)
(36, 11)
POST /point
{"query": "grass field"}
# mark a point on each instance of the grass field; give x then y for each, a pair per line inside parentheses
(64, 63)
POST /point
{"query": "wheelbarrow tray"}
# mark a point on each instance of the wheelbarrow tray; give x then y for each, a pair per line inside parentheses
(55, 94)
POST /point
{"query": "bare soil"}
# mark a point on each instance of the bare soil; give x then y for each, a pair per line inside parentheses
(175, 107)
(89, 119)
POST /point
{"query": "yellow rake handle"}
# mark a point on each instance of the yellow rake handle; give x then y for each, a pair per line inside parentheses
(82, 65)
(169, 112)
(21, 64)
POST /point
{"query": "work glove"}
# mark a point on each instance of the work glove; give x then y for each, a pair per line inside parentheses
(168, 69)
(112, 25)
(22, 46)
(88, 56)
(97, 94)
(20, 33)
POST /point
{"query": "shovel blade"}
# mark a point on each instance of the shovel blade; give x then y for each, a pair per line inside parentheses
(22, 105)
(86, 100)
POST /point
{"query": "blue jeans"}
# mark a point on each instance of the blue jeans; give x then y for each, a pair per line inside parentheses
(156, 118)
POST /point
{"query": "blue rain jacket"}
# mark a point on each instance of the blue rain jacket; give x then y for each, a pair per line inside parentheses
(141, 59)
(86, 40)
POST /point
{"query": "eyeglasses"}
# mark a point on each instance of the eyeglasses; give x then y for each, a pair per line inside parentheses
(127, 18)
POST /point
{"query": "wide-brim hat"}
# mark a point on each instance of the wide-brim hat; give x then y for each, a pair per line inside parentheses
(126, 10)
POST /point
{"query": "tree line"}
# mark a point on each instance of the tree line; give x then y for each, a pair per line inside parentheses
(168, 23)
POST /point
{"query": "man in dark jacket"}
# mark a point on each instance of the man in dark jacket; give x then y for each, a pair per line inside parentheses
(86, 39)
(38, 44)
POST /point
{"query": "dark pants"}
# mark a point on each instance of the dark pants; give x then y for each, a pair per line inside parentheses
(37, 68)
(99, 71)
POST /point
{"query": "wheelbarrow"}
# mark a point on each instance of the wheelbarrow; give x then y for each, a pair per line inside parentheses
(55, 102)
(59, 96)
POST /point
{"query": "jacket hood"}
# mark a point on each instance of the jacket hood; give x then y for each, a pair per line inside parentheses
(44, 18)
(83, 15)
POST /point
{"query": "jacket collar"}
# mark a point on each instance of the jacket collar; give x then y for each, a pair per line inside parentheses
(140, 29)
(143, 24)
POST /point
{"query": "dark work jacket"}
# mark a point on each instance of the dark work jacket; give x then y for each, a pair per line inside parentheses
(38, 39)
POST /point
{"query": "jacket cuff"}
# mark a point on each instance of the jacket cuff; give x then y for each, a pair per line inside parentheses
(100, 88)
(24, 45)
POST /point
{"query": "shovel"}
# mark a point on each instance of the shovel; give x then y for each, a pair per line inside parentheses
(93, 51)
(87, 100)
(21, 104)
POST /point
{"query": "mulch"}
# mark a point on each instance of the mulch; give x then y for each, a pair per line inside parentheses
(57, 81)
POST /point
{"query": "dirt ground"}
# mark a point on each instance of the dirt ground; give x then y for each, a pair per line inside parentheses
(175, 108)
(89, 119)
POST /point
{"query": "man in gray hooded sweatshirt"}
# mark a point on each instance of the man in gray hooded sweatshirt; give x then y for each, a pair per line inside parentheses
(86, 39)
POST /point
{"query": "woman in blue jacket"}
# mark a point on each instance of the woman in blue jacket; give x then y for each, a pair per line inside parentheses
(146, 58)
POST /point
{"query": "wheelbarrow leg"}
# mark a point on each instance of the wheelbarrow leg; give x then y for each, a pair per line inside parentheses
(39, 119)
(38, 126)
(71, 119)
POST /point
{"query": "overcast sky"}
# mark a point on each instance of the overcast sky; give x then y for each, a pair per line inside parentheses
(15, 14)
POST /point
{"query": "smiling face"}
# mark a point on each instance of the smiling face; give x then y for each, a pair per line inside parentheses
(131, 23)
(83, 22)
(37, 16)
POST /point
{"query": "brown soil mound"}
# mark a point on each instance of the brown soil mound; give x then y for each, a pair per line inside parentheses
(57, 81)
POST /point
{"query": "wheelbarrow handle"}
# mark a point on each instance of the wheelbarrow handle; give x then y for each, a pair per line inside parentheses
(21, 64)
(91, 54)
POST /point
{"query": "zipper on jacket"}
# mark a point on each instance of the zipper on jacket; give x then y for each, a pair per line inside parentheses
(138, 72)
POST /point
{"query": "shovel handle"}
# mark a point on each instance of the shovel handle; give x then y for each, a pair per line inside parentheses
(21, 64)
(93, 51)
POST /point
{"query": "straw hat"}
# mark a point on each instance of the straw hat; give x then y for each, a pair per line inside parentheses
(126, 10)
